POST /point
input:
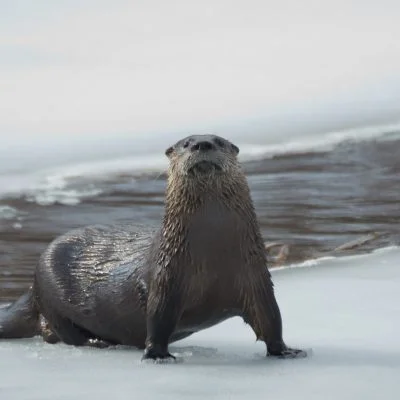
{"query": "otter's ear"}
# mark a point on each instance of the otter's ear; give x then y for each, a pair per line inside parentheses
(169, 151)
(235, 149)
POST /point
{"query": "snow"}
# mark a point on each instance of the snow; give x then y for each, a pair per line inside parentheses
(345, 309)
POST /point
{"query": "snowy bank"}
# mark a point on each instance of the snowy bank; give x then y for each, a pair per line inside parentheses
(347, 310)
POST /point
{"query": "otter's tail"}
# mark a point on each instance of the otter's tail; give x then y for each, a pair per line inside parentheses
(20, 319)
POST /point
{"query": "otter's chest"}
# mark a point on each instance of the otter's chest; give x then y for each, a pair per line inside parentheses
(216, 239)
(216, 243)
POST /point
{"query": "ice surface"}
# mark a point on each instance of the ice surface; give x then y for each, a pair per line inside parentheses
(347, 310)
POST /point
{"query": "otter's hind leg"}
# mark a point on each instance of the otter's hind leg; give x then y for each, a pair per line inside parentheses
(47, 334)
(66, 330)
(261, 312)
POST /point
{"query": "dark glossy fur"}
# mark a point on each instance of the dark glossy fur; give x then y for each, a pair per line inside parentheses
(129, 285)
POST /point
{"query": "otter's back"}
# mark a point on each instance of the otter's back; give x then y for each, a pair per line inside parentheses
(78, 263)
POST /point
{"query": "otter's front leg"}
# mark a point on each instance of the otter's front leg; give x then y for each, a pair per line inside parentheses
(262, 312)
(163, 312)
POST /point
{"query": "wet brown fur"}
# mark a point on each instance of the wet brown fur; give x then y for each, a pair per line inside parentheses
(250, 290)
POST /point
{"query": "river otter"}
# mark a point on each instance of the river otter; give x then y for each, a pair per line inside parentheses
(132, 285)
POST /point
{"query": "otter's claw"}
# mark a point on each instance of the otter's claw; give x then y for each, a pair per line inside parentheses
(97, 343)
(288, 353)
(157, 355)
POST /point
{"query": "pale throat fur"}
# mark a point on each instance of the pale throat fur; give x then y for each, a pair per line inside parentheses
(223, 194)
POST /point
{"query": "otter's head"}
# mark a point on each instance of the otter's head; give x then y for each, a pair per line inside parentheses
(203, 157)
(203, 171)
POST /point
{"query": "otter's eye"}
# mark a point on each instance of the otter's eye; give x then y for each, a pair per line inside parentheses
(186, 144)
(235, 149)
(169, 151)
(219, 142)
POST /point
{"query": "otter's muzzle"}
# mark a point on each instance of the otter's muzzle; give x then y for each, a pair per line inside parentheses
(204, 157)
(204, 145)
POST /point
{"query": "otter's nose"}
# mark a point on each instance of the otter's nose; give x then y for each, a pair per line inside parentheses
(202, 146)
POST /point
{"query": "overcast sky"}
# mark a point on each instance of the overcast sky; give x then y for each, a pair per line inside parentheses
(114, 66)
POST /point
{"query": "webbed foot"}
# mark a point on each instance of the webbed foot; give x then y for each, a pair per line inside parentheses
(280, 350)
(98, 343)
(157, 354)
(289, 353)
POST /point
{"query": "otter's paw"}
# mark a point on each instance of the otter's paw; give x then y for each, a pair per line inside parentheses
(158, 355)
(97, 343)
(50, 337)
(287, 353)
